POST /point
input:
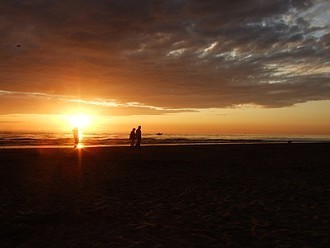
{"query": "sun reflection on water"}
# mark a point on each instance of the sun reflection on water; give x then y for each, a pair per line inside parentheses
(80, 146)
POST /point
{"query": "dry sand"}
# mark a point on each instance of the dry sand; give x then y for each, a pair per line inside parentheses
(267, 195)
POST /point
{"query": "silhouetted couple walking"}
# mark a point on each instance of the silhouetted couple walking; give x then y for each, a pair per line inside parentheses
(135, 137)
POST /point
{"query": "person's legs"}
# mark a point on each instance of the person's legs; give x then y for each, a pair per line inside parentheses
(137, 145)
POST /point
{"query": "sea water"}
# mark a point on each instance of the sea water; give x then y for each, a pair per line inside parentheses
(44, 139)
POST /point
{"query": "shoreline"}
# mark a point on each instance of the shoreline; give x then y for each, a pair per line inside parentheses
(164, 144)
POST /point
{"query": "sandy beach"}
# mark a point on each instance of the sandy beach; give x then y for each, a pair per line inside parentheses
(256, 195)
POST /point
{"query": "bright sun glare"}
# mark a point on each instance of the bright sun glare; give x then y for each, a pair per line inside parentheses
(79, 121)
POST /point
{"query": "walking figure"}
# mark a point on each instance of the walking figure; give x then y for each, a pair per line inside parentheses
(138, 137)
(132, 137)
(75, 136)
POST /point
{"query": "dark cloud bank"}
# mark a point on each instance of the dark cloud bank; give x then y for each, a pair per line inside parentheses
(171, 54)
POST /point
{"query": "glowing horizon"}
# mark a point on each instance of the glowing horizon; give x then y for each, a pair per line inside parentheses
(308, 118)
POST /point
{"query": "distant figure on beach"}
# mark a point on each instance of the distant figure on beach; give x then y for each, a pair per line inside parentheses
(75, 136)
(132, 137)
(138, 137)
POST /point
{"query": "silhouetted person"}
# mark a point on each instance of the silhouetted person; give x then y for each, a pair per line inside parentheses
(138, 137)
(132, 137)
(75, 136)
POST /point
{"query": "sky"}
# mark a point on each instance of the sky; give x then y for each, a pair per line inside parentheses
(189, 66)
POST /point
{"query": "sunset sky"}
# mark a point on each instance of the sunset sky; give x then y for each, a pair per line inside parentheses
(187, 66)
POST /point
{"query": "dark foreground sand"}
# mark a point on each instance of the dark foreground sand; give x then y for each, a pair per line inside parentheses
(270, 195)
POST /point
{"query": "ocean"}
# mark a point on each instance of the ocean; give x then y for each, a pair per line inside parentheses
(61, 140)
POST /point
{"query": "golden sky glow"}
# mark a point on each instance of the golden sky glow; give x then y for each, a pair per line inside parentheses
(308, 118)
(80, 121)
(172, 66)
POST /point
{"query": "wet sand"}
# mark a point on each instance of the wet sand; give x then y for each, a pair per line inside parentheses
(263, 195)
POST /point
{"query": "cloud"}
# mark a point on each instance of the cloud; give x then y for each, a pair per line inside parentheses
(41, 103)
(173, 55)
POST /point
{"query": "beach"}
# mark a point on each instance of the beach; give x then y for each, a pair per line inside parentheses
(234, 195)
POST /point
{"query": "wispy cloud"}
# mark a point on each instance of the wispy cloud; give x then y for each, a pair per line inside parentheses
(129, 108)
(163, 56)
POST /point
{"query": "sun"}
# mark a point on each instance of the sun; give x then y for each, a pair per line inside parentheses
(80, 121)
